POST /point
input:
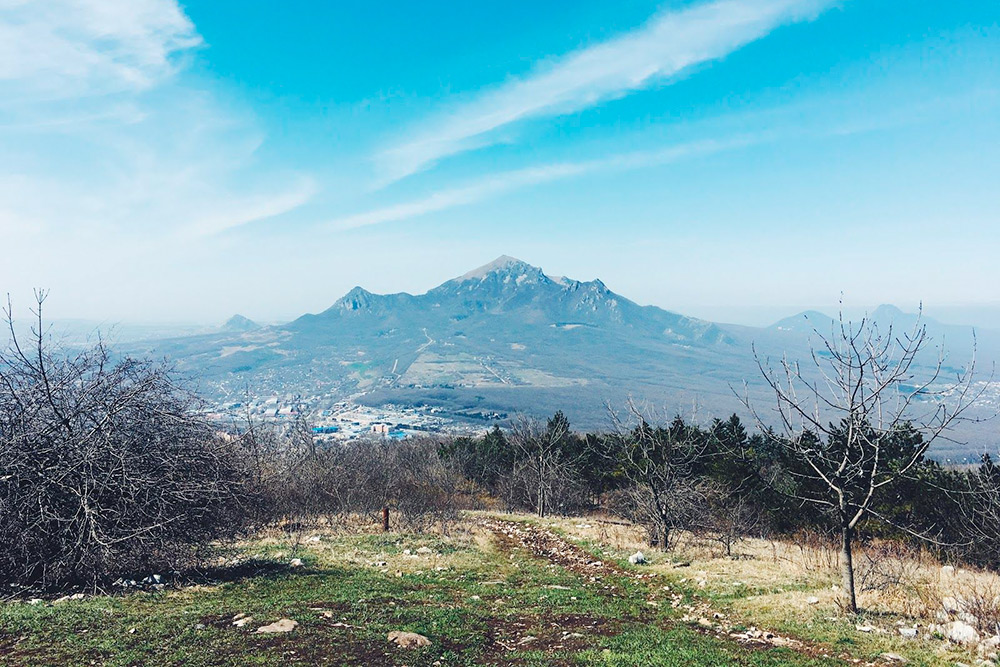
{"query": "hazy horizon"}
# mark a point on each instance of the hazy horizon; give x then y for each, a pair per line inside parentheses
(985, 315)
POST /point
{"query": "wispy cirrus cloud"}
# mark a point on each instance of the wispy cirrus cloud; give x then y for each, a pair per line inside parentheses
(665, 46)
(100, 136)
(62, 48)
(507, 181)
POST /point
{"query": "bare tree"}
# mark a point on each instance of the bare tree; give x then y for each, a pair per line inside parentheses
(979, 504)
(544, 472)
(859, 418)
(661, 465)
(732, 516)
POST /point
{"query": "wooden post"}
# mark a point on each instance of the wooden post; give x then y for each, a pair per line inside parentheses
(385, 519)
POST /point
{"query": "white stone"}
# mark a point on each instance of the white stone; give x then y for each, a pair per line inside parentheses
(638, 558)
(812, 600)
(295, 562)
(960, 632)
(284, 625)
(408, 639)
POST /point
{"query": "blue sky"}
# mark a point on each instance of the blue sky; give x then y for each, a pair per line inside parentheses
(734, 159)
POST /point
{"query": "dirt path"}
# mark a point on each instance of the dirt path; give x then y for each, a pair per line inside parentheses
(548, 545)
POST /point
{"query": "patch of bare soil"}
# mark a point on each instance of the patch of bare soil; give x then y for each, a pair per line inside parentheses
(568, 633)
(548, 545)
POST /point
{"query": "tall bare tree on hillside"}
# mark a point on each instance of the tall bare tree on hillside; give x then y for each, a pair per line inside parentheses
(544, 470)
(661, 465)
(860, 417)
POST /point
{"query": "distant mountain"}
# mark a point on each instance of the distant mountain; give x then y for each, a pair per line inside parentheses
(518, 295)
(805, 322)
(508, 338)
(957, 343)
(239, 324)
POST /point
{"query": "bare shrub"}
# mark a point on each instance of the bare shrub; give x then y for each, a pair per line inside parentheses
(106, 469)
(660, 465)
(818, 552)
(731, 518)
(886, 564)
(544, 475)
(979, 597)
(305, 482)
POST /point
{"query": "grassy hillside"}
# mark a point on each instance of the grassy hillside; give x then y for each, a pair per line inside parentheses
(496, 590)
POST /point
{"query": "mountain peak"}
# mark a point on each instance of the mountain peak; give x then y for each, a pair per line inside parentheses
(887, 310)
(357, 299)
(504, 263)
(239, 323)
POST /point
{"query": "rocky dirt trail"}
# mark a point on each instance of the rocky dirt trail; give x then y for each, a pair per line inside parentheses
(550, 546)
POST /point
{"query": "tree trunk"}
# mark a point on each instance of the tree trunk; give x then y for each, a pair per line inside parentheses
(541, 490)
(847, 568)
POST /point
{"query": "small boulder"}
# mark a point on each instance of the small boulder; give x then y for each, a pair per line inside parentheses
(908, 633)
(894, 658)
(638, 558)
(240, 620)
(812, 600)
(408, 639)
(990, 645)
(284, 625)
(960, 632)
(295, 562)
(425, 551)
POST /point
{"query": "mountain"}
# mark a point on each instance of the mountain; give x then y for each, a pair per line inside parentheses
(508, 338)
(239, 324)
(518, 295)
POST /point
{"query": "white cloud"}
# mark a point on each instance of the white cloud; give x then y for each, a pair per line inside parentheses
(61, 48)
(497, 184)
(100, 138)
(665, 46)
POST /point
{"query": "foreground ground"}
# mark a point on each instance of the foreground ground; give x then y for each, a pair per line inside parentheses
(495, 590)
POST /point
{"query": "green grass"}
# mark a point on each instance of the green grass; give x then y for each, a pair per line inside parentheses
(547, 614)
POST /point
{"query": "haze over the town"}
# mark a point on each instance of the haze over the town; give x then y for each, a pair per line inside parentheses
(736, 160)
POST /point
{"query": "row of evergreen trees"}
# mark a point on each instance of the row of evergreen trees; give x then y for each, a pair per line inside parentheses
(725, 481)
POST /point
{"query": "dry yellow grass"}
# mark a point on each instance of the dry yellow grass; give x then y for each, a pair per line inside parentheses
(793, 587)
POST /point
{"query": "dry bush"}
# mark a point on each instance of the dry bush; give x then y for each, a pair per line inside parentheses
(817, 552)
(971, 595)
(731, 518)
(342, 485)
(105, 469)
(544, 475)
(557, 489)
(886, 564)
(980, 598)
